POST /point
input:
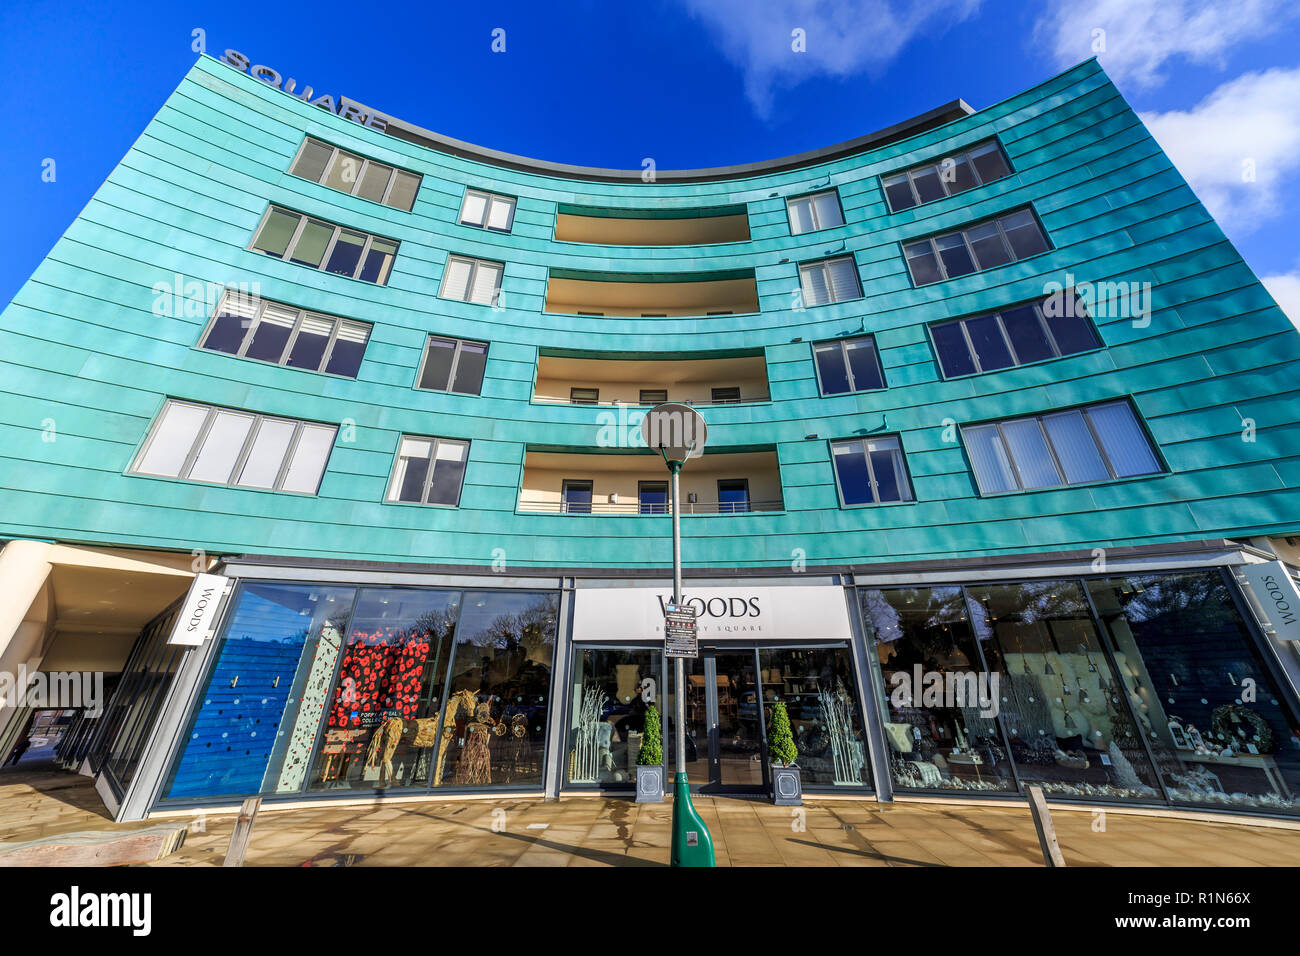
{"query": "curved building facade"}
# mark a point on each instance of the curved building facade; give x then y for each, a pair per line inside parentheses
(323, 444)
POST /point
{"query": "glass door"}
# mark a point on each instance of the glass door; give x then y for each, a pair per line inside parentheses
(725, 750)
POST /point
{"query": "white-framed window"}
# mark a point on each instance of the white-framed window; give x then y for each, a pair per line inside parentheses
(472, 280)
(1093, 443)
(428, 471)
(266, 331)
(1015, 336)
(982, 163)
(1008, 238)
(848, 365)
(816, 211)
(227, 446)
(871, 471)
(453, 365)
(830, 280)
(355, 175)
(487, 211)
(313, 242)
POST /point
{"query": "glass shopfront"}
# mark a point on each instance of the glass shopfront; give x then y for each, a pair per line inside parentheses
(1148, 688)
(323, 688)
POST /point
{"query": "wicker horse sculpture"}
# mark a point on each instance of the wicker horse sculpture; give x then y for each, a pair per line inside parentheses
(422, 732)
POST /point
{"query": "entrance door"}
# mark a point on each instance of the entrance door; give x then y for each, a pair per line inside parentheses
(725, 749)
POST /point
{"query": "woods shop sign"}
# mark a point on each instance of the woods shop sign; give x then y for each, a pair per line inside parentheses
(344, 107)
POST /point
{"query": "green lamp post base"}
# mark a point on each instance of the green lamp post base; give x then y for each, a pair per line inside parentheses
(692, 844)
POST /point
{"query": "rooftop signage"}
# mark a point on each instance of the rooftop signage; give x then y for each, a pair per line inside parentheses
(344, 107)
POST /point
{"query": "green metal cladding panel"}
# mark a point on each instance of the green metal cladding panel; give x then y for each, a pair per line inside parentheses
(83, 351)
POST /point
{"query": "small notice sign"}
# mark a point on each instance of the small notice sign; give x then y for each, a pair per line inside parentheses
(681, 638)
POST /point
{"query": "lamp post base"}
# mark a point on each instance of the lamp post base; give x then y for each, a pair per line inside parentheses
(692, 845)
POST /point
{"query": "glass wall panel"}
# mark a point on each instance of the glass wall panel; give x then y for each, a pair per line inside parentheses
(386, 697)
(1221, 732)
(611, 688)
(500, 690)
(1059, 699)
(938, 702)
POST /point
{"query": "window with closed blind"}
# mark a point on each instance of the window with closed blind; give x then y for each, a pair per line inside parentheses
(472, 280)
(487, 211)
(323, 245)
(995, 242)
(817, 211)
(1079, 445)
(355, 175)
(227, 446)
(830, 280)
(428, 471)
(266, 331)
(953, 174)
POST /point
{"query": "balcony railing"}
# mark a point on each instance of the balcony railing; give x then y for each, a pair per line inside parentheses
(646, 508)
(544, 400)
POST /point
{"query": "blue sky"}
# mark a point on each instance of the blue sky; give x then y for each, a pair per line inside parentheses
(687, 82)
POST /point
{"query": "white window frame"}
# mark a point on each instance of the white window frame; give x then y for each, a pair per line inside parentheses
(488, 199)
(965, 238)
(456, 353)
(811, 199)
(848, 368)
(338, 151)
(303, 219)
(302, 314)
(825, 266)
(201, 436)
(901, 476)
(469, 282)
(434, 444)
(937, 165)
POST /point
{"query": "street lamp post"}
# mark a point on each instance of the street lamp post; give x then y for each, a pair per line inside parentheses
(678, 432)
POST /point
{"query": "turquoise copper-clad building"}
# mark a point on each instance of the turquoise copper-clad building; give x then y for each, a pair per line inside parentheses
(992, 382)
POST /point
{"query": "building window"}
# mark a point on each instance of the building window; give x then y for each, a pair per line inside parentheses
(487, 211)
(453, 365)
(472, 280)
(871, 470)
(575, 496)
(356, 175)
(322, 245)
(830, 280)
(728, 395)
(652, 497)
(230, 447)
(848, 365)
(268, 331)
(976, 248)
(733, 495)
(616, 686)
(428, 471)
(818, 211)
(951, 175)
(584, 396)
(653, 396)
(1018, 336)
(1093, 443)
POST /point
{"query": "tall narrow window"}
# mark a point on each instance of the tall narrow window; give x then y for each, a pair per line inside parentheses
(453, 365)
(347, 172)
(1015, 336)
(324, 245)
(268, 331)
(947, 177)
(230, 447)
(848, 365)
(830, 280)
(818, 211)
(487, 211)
(1009, 238)
(428, 471)
(1092, 443)
(871, 470)
(472, 280)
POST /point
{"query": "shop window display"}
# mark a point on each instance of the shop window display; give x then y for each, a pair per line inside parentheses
(611, 689)
(1221, 733)
(499, 690)
(385, 704)
(937, 699)
(1060, 701)
(817, 687)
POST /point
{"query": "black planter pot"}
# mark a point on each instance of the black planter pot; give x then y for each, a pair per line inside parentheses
(787, 787)
(650, 784)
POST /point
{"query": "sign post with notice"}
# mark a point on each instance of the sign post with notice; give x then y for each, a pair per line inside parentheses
(681, 638)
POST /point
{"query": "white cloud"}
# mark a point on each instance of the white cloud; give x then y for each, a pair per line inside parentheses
(1238, 147)
(1140, 35)
(1286, 289)
(842, 37)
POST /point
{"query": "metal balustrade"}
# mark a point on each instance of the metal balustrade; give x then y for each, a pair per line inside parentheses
(634, 507)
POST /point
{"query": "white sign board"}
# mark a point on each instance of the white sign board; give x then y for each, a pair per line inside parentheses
(198, 614)
(1277, 595)
(801, 613)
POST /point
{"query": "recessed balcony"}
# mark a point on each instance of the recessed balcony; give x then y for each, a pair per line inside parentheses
(652, 227)
(636, 483)
(566, 379)
(651, 295)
